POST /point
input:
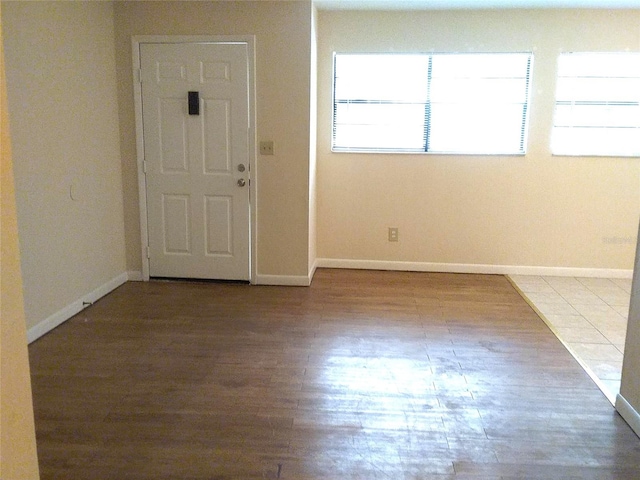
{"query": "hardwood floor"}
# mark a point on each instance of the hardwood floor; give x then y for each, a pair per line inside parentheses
(363, 375)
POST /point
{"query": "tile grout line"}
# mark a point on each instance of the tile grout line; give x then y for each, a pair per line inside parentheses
(594, 290)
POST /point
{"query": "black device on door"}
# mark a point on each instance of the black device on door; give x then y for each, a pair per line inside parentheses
(194, 103)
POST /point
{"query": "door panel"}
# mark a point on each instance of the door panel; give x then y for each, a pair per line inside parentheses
(173, 136)
(219, 225)
(176, 220)
(198, 211)
(216, 127)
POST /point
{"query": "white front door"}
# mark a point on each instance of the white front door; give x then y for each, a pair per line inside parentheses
(196, 150)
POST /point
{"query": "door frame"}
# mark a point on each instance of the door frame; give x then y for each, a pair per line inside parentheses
(250, 41)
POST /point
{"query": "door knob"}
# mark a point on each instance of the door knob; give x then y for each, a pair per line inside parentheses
(241, 167)
(241, 182)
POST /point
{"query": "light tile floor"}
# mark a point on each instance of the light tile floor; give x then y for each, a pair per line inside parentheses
(589, 315)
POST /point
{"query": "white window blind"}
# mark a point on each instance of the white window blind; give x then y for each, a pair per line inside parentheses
(444, 103)
(597, 108)
(380, 102)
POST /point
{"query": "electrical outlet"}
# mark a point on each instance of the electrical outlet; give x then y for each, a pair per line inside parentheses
(266, 147)
(393, 234)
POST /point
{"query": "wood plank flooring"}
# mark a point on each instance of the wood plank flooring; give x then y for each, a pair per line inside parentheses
(363, 375)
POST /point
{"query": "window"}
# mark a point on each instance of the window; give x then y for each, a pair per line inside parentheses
(439, 103)
(597, 105)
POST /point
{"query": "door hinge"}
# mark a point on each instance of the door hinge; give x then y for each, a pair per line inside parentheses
(148, 252)
(138, 75)
(144, 166)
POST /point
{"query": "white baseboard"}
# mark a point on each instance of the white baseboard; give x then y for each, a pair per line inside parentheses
(312, 270)
(73, 308)
(288, 280)
(629, 413)
(135, 276)
(472, 268)
(284, 280)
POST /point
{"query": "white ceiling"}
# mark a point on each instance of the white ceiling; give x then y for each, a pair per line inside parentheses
(469, 4)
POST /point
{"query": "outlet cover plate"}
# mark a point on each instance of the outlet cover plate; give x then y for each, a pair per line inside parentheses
(266, 147)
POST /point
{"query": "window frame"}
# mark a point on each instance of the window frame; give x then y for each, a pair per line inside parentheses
(525, 105)
(575, 150)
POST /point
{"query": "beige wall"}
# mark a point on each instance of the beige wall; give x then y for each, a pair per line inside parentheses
(18, 458)
(534, 210)
(283, 48)
(630, 387)
(313, 142)
(62, 100)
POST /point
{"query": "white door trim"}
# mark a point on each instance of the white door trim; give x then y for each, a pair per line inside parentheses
(137, 94)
